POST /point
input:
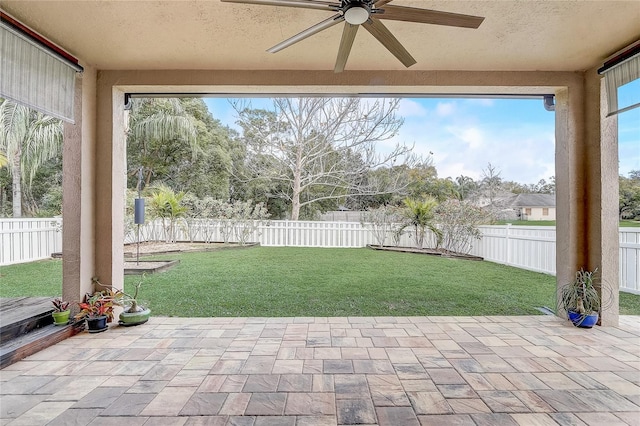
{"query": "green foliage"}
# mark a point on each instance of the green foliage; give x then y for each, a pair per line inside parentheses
(167, 205)
(629, 207)
(465, 186)
(424, 182)
(580, 295)
(178, 141)
(420, 214)
(28, 139)
(59, 305)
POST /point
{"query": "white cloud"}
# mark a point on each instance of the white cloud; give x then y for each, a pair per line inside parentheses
(473, 136)
(411, 108)
(464, 135)
(445, 109)
(456, 169)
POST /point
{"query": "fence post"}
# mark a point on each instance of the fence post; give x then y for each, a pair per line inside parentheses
(508, 244)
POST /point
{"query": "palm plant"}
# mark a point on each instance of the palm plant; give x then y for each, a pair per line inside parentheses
(157, 121)
(167, 205)
(27, 139)
(420, 215)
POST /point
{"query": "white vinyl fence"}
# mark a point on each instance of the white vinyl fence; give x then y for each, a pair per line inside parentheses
(526, 247)
(26, 240)
(267, 233)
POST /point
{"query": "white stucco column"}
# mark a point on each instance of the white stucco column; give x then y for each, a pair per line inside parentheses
(109, 183)
(78, 159)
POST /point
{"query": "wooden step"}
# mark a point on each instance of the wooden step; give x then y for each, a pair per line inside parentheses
(15, 349)
(20, 315)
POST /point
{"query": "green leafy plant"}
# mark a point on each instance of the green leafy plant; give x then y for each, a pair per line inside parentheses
(99, 303)
(59, 305)
(420, 214)
(580, 295)
(94, 306)
(166, 205)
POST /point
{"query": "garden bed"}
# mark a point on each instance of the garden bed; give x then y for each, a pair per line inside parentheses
(428, 251)
(159, 247)
(148, 266)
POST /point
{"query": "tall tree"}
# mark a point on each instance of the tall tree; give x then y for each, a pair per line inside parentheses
(161, 132)
(27, 139)
(629, 207)
(322, 148)
(465, 186)
(491, 181)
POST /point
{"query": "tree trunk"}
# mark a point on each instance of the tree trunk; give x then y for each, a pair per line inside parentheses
(295, 202)
(16, 174)
(296, 187)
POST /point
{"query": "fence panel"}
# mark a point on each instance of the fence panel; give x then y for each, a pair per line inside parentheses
(526, 247)
(630, 260)
(26, 240)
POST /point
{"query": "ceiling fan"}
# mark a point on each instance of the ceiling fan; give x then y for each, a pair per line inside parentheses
(369, 14)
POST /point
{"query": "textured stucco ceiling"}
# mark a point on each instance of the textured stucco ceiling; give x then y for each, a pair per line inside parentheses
(520, 35)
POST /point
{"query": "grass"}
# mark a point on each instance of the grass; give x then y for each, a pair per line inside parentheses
(623, 223)
(287, 281)
(527, 222)
(630, 223)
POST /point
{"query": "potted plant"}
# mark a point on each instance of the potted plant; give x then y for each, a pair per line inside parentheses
(61, 311)
(135, 312)
(581, 300)
(97, 310)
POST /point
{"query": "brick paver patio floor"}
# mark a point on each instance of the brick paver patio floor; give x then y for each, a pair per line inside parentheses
(535, 370)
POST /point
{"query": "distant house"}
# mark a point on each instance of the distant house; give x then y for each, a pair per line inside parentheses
(530, 206)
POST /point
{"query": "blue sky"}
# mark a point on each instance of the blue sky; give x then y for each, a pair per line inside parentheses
(516, 135)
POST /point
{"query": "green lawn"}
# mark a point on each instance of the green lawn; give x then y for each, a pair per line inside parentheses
(623, 223)
(527, 222)
(287, 281)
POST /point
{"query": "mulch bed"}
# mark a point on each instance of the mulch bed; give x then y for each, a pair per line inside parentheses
(427, 251)
(155, 247)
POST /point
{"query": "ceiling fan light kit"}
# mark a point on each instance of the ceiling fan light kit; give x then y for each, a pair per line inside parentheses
(369, 14)
(357, 13)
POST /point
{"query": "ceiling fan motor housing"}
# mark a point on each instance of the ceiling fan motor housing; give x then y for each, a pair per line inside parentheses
(357, 12)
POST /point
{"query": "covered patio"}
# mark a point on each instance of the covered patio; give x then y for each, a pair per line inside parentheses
(317, 371)
(550, 50)
(333, 371)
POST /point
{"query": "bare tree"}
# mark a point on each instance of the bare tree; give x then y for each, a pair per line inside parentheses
(323, 148)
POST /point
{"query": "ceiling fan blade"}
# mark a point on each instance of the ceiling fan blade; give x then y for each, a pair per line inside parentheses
(348, 35)
(327, 23)
(381, 3)
(426, 16)
(384, 36)
(305, 4)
